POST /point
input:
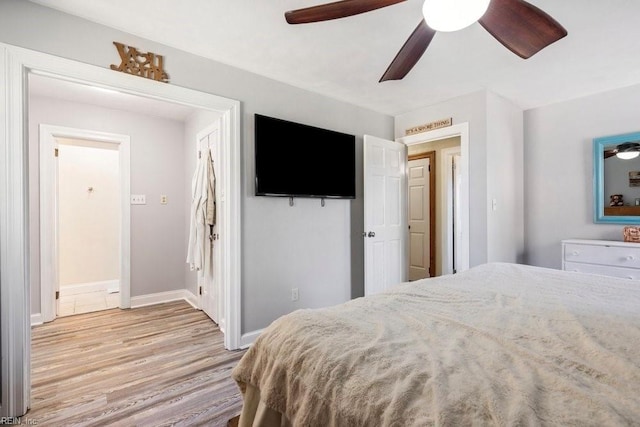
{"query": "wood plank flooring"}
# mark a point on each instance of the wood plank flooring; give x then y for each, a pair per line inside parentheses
(151, 366)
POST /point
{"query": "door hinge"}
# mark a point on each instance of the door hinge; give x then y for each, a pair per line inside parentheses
(57, 295)
(200, 290)
(429, 168)
(55, 152)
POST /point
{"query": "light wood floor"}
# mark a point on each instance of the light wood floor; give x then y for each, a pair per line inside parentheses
(151, 366)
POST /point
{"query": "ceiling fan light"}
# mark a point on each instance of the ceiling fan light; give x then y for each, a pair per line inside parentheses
(627, 155)
(453, 15)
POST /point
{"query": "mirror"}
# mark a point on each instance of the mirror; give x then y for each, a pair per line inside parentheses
(616, 181)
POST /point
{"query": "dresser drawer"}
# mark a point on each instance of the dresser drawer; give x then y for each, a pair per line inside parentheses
(603, 270)
(603, 255)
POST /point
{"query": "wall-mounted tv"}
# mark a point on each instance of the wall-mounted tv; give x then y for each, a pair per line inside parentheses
(296, 160)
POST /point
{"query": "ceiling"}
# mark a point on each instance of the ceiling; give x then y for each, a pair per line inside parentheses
(345, 58)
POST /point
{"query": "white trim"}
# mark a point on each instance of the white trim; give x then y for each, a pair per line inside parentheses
(83, 288)
(49, 211)
(249, 338)
(162, 297)
(15, 331)
(15, 313)
(461, 130)
(446, 226)
(36, 319)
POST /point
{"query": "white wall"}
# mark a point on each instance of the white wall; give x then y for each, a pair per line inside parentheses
(158, 245)
(319, 250)
(88, 213)
(559, 169)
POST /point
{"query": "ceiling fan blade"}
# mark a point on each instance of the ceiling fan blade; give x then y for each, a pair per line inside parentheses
(609, 153)
(339, 9)
(410, 52)
(521, 27)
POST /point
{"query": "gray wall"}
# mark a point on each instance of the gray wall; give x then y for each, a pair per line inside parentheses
(158, 241)
(319, 250)
(559, 169)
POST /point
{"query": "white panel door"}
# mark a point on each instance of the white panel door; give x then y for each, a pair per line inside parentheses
(385, 219)
(209, 279)
(419, 219)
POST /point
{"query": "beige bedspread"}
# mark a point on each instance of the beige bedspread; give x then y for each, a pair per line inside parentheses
(500, 344)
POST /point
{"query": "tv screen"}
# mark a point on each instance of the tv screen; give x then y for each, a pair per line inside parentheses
(296, 160)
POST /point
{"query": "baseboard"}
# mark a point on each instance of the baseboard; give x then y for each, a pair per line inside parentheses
(191, 299)
(247, 339)
(81, 288)
(141, 301)
(162, 297)
(36, 319)
(223, 325)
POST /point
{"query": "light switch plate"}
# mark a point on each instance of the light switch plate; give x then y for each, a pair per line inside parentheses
(138, 199)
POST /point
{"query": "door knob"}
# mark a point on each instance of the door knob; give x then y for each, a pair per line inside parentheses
(371, 234)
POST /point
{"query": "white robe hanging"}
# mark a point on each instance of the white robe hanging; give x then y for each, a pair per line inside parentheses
(198, 230)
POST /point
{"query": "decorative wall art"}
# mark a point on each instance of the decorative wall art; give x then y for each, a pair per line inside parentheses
(148, 65)
(634, 179)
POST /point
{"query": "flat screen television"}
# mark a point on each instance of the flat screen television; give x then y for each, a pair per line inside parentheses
(296, 160)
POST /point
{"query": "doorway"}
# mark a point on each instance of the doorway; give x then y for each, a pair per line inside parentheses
(84, 221)
(451, 235)
(14, 224)
(444, 251)
(88, 226)
(421, 196)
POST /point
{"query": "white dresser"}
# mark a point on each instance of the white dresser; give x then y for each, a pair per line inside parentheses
(607, 258)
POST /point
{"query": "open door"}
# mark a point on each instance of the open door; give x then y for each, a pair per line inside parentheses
(210, 278)
(385, 217)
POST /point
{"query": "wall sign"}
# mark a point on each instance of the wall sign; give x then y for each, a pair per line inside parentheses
(442, 123)
(148, 65)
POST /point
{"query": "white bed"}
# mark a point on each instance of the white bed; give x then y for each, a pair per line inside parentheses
(499, 344)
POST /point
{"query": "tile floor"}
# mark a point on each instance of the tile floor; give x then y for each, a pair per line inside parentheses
(87, 302)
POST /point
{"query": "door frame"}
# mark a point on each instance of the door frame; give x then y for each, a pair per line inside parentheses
(447, 226)
(15, 308)
(49, 212)
(460, 130)
(433, 169)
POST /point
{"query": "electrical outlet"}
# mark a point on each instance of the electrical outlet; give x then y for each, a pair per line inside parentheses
(294, 294)
(163, 199)
(138, 199)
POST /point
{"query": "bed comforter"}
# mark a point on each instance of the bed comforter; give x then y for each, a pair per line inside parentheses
(499, 344)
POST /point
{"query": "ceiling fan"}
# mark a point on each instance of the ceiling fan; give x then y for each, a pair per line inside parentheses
(521, 27)
(625, 151)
